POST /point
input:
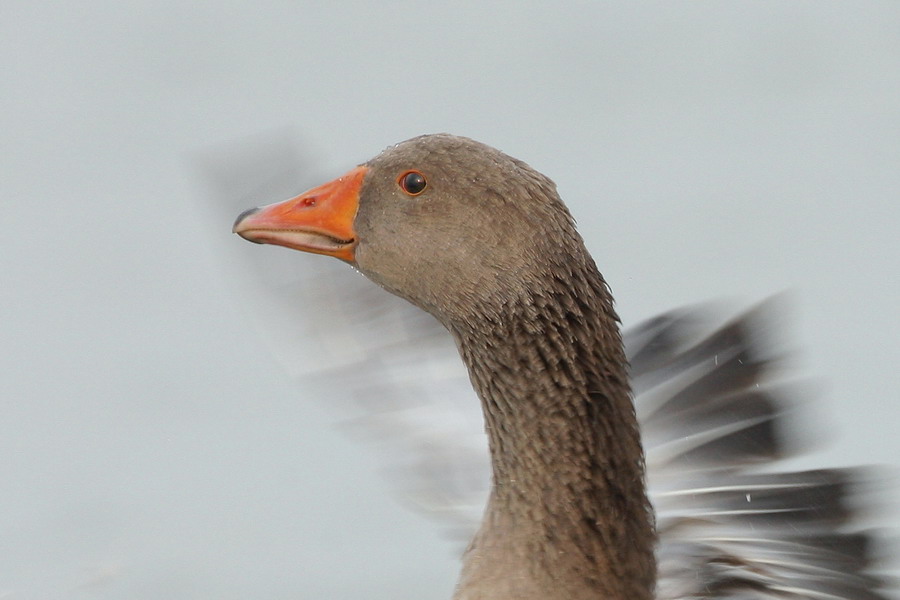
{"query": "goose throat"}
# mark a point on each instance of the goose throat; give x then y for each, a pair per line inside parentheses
(568, 491)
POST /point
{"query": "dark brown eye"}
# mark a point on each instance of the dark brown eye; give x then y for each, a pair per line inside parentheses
(412, 182)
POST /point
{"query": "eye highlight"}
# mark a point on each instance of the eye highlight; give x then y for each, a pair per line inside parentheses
(412, 182)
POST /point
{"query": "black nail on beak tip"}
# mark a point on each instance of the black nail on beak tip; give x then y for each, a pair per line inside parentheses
(243, 216)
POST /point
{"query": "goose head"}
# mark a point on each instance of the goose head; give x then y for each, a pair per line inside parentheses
(456, 227)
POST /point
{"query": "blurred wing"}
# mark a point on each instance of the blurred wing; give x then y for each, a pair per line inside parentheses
(708, 400)
(402, 387)
(729, 525)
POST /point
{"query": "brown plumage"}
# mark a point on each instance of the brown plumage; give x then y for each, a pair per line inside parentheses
(484, 243)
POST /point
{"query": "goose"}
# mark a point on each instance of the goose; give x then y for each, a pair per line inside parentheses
(576, 509)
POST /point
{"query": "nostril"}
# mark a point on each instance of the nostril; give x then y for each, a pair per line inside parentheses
(309, 201)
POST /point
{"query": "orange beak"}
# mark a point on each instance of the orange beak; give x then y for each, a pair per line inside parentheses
(318, 221)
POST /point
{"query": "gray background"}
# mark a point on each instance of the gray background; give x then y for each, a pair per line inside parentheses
(149, 445)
